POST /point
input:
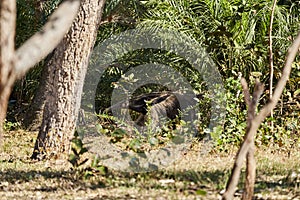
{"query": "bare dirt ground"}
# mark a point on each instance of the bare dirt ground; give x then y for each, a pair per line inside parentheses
(194, 176)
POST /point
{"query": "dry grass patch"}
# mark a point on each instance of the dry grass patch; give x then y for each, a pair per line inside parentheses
(194, 176)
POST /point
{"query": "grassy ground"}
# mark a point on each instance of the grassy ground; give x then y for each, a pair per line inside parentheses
(192, 177)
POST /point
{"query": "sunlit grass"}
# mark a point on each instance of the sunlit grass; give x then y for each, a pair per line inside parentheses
(195, 176)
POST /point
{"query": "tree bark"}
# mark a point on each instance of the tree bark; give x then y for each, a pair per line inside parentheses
(32, 115)
(250, 173)
(32, 118)
(14, 64)
(7, 51)
(66, 76)
(247, 147)
(250, 164)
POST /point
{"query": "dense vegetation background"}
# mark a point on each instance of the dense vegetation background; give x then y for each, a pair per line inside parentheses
(235, 33)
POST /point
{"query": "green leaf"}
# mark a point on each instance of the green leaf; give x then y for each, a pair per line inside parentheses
(153, 141)
(201, 192)
(73, 159)
(296, 92)
(99, 128)
(83, 150)
(102, 170)
(135, 145)
(95, 161)
(178, 140)
(119, 133)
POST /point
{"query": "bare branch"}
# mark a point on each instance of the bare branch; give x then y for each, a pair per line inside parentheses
(292, 52)
(255, 123)
(271, 48)
(271, 55)
(43, 42)
(251, 165)
(258, 90)
(247, 144)
(246, 91)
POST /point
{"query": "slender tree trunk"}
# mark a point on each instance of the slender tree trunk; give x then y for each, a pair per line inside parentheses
(7, 51)
(32, 118)
(66, 76)
(250, 173)
(4, 97)
(271, 57)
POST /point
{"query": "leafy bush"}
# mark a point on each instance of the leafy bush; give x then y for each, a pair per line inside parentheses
(234, 33)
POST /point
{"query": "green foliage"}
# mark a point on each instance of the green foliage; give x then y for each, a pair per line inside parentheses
(234, 33)
(9, 126)
(78, 149)
(127, 11)
(94, 169)
(235, 123)
(129, 61)
(129, 138)
(78, 159)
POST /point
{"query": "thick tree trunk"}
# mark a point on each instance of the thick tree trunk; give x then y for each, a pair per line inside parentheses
(66, 75)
